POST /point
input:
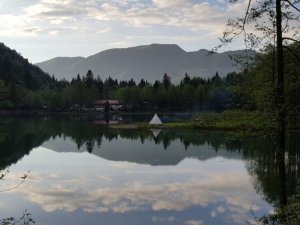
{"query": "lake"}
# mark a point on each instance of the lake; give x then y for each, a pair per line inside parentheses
(83, 172)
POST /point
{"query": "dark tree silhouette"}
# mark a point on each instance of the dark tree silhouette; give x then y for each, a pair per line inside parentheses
(274, 24)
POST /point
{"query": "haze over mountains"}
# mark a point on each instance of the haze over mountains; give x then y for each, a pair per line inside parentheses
(149, 62)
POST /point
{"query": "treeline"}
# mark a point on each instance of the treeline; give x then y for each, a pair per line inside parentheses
(195, 93)
(190, 93)
(251, 89)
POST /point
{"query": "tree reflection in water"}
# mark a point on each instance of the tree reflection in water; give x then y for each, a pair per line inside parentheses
(275, 173)
(287, 205)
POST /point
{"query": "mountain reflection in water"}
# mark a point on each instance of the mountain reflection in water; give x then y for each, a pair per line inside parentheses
(82, 173)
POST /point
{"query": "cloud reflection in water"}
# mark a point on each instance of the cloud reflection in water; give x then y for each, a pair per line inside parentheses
(100, 186)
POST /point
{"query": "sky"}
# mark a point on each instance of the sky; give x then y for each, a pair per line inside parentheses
(43, 29)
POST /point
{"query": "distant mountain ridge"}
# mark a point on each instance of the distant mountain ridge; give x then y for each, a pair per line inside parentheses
(148, 61)
(141, 154)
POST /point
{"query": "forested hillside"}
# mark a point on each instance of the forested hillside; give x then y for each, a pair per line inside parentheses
(19, 80)
(15, 69)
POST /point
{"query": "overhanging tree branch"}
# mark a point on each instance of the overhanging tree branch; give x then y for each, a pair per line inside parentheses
(23, 178)
(292, 5)
(229, 36)
(246, 15)
(291, 39)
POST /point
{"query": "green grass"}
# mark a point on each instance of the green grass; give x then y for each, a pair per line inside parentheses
(234, 120)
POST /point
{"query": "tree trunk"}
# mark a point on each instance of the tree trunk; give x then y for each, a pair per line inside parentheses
(281, 113)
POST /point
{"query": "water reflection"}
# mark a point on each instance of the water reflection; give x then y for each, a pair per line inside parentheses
(140, 176)
(287, 207)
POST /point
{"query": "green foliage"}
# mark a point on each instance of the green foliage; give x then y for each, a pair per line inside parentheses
(283, 215)
(33, 100)
(234, 120)
(259, 82)
(252, 90)
(25, 219)
(14, 69)
(288, 215)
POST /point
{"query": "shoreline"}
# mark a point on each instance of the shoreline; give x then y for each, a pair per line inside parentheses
(48, 112)
(189, 126)
(234, 120)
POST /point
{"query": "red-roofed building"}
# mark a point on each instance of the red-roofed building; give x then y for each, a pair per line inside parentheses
(100, 105)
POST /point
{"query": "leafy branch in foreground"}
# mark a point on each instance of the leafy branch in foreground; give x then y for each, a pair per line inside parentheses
(25, 219)
(23, 178)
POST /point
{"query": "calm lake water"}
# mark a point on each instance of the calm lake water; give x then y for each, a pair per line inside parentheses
(82, 172)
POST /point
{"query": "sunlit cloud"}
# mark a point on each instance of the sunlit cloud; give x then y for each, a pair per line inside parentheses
(57, 21)
(54, 32)
(85, 183)
(160, 219)
(194, 222)
(73, 194)
(105, 30)
(175, 13)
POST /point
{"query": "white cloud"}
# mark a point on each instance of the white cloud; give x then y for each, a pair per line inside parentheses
(194, 222)
(185, 22)
(53, 32)
(73, 194)
(172, 13)
(179, 13)
(169, 219)
(220, 209)
(57, 21)
(103, 31)
(171, 3)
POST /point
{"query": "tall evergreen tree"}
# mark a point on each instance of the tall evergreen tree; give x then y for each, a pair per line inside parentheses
(142, 83)
(166, 80)
(186, 79)
(89, 78)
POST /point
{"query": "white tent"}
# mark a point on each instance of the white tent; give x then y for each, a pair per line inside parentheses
(155, 120)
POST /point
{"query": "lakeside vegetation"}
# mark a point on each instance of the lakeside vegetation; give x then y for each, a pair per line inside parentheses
(249, 90)
(229, 120)
(246, 99)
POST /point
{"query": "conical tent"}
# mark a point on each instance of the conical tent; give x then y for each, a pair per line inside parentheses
(155, 120)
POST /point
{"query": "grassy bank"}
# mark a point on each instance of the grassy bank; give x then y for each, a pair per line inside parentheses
(242, 120)
(234, 120)
(227, 120)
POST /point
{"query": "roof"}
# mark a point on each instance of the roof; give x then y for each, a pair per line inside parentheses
(103, 102)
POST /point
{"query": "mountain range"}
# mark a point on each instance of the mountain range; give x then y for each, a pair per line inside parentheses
(136, 152)
(148, 61)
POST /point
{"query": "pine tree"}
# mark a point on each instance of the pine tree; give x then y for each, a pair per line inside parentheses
(89, 78)
(166, 81)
